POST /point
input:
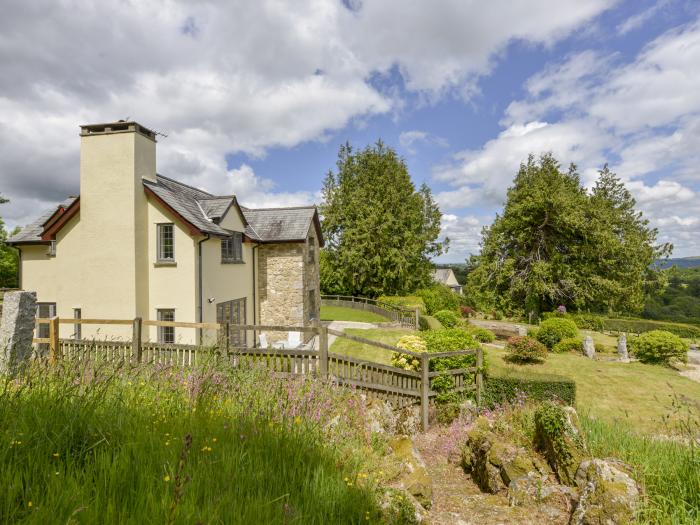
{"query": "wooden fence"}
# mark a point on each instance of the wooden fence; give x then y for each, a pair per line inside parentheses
(404, 316)
(397, 386)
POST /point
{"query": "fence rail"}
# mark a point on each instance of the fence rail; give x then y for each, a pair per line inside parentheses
(398, 386)
(404, 316)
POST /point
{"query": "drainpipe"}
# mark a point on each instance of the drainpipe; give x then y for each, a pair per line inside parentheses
(255, 304)
(201, 290)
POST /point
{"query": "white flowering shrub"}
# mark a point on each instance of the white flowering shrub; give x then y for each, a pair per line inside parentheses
(412, 343)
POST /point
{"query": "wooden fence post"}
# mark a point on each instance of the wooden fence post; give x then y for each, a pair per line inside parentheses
(425, 389)
(479, 374)
(417, 318)
(323, 351)
(136, 347)
(54, 348)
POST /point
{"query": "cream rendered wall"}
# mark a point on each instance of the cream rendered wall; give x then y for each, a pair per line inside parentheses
(171, 286)
(227, 281)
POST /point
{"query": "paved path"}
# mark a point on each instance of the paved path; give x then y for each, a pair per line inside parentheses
(340, 326)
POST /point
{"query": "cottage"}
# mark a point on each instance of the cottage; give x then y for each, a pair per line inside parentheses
(447, 277)
(135, 243)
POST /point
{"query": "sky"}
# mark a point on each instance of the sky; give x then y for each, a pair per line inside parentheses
(255, 97)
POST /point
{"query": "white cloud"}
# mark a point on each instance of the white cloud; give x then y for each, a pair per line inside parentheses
(232, 77)
(638, 20)
(410, 139)
(464, 234)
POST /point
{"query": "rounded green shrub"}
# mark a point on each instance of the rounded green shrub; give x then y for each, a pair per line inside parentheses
(524, 349)
(554, 329)
(569, 344)
(428, 322)
(412, 343)
(659, 347)
(438, 297)
(483, 335)
(447, 318)
(450, 340)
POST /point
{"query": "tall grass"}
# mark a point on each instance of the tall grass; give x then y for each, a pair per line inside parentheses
(87, 443)
(668, 470)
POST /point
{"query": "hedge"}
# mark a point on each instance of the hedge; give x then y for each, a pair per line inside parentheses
(500, 389)
(635, 326)
(427, 322)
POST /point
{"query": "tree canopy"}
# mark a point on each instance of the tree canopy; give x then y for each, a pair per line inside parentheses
(380, 231)
(9, 260)
(555, 243)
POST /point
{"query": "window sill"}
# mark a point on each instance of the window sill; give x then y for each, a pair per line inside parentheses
(158, 264)
(232, 262)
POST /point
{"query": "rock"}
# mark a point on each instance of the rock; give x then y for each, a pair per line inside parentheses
(468, 410)
(535, 490)
(401, 507)
(493, 462)
(589, 347)
(608, 495)
(408, 421)
(380, 416)
(558, 436)
(16, 329)
(622, 348)
(415, 479)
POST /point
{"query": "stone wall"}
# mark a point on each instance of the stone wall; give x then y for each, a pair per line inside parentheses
(311, 279)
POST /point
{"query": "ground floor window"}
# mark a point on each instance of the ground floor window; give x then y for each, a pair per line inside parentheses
(166, 334)
(77, 327)
(232, 313)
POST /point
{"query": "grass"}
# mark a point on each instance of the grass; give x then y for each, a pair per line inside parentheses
(668, 471)
(340, 313)
(87, 444)
(388, 336)
(638, 394)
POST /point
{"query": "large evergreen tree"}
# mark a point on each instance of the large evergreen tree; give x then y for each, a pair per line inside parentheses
(380, 232)
(556, 244)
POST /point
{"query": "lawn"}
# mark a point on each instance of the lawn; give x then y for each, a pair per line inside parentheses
(340, 313)
(635, 393)
(387, 336)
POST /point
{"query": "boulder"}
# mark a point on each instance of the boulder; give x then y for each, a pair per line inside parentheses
(550, 499)
(608, 495)
(380, 416)
(16, 329)
(415, 478)
(401, 507)
(622, 349)
(589, 347)
(558, 437)
(408, 420)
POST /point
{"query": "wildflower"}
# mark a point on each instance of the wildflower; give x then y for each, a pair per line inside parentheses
(166, 478)
(56, 454)
(167, 443)
(29, 504)
(297, 420)
(206, 449)
(214, 440)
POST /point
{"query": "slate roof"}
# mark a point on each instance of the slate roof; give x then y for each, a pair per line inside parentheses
(32, 232)
(442, 274)
(203, 211)
(280, 224)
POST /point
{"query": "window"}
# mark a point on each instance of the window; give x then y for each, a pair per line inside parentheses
(232, 313)
(313, 313)
(312, 249)
(52, 249)
(166, 334)
(77, 327)
(166, 243)
(232, 248)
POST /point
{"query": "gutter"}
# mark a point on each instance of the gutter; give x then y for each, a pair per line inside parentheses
(199, 277)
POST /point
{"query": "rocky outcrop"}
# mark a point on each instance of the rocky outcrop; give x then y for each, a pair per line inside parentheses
(16, 329)
(558, 437)
(383, 418)
(414, 478)
(608, 495)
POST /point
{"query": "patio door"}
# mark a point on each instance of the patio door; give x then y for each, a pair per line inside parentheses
(232, 313)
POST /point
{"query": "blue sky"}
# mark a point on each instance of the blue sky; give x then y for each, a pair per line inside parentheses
(256, 97)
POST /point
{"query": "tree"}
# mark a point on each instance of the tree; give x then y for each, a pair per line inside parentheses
(9, 260)
(556, 244)
(380, 232)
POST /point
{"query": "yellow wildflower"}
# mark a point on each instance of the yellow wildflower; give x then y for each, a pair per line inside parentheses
(166, 478)
(297, 420)
(56, 454)
(29, 504)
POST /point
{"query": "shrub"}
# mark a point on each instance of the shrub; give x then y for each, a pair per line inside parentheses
(483, 335)
(639, 326)
(523, 349)
(438, 297)
(569, 344)
(412, 343)
(428, 322)
(659, 346)
(449, 340)
(553, 330)
(404, 301)
(447, 318)
(505, 388)
(588, 322)
(497, 315)
(467, 311)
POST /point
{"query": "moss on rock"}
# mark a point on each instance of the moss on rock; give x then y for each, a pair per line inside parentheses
(608, 495)
(415, 478)
(558, 437)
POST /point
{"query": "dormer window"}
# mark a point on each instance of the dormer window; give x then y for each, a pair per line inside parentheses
(232, 248)
(166, 242)
(52, 249)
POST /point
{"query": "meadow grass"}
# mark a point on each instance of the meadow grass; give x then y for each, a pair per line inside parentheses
(88, 443)
(341, 313)
(389, 336)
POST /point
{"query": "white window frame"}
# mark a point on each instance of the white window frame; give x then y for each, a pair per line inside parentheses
(52, 249)
(160, 256)
(166, 334)
(232, 249)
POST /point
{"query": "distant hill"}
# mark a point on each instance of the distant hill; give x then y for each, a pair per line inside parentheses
(681, 262)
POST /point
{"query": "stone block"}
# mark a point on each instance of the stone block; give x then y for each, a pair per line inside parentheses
(16, 329)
